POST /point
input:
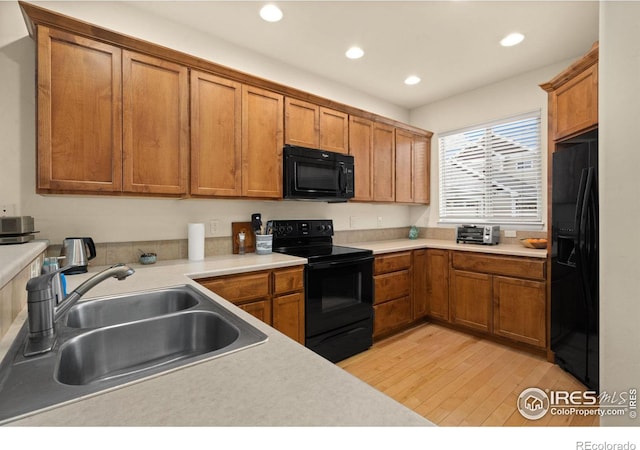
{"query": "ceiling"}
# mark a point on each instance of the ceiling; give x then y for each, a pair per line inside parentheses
(452, 45)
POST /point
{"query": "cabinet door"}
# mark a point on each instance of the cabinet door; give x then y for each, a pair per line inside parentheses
(384, 164)
(391, 315)
(215, 136)
(260, 309)
(519, 310)
(334, 130)
(576, 104)
(421, 169)
(262, 141)
(288, 315)
(471, 300)
(438, 283)
(404, 167)
(302, 123)
(419, 297)
(79, 114)
(155, 125)
(361, 148)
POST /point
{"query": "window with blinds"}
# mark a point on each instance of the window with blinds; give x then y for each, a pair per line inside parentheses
(492, 173)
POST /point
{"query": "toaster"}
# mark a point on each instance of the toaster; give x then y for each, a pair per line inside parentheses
(478, 234)
(16, 225)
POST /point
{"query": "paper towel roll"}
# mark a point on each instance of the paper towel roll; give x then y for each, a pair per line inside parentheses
(196, 241)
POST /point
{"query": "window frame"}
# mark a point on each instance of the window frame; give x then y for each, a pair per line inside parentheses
(491, 206)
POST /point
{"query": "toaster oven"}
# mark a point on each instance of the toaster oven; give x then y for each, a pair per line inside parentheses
(478, 234)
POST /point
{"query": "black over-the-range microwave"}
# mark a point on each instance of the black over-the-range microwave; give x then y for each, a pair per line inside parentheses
(312, 174)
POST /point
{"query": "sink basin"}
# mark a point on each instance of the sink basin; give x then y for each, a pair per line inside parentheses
(112, 352)
(131, 307)
(113, 341)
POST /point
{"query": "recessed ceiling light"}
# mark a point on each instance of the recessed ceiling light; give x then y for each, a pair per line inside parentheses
(354, 53)
(411, 80)
(271, 13)
(512, 39)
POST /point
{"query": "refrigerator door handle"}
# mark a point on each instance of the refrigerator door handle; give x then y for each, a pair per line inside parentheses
(585, 237)
(579, 244)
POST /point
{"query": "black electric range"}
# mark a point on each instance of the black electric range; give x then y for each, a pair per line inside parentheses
(338, 283)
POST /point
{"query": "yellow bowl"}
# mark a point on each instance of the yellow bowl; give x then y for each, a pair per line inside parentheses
(534, 242)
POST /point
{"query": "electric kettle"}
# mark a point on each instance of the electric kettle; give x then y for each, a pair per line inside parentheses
(77, 251)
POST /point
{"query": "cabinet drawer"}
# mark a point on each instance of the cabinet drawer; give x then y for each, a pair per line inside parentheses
(392, 285)
(238, 288)
(500, 265)
(393, 262)
(391, 315)
(288, 280)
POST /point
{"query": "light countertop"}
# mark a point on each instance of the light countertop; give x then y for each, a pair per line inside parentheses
(278, 383)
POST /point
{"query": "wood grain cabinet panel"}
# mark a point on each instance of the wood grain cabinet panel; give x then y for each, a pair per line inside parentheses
(302, 123)
(419, 289)
(520, 267)
(79, 114)
(260, 309)
(437, 274)
(391, 315)
(288, 315)
(404, 167)
(216, 136)
(384, 163)
(576, 104)
(155, 125)
(392, 262)
(262, 133)
(471, 300)
(240, 288)
(421, 169)
(334, 130)
(519, 310)
(288, 280)
(361, 148)
(392, 285)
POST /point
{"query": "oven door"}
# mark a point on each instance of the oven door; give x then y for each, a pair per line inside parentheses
(338, 293)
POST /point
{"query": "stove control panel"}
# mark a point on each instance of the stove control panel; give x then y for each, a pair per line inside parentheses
(301, 228)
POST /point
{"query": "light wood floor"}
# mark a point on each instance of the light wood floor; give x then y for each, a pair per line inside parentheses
(454, 379)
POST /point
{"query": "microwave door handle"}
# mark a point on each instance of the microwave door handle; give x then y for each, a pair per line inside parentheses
(342, 178)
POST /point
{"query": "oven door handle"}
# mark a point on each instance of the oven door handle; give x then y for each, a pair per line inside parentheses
(340, 263)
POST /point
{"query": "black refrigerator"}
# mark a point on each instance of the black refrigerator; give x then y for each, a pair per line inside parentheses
(574, 258)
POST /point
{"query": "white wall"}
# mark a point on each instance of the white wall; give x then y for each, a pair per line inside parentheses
(619, 160)
(116, 219)
(517, 95)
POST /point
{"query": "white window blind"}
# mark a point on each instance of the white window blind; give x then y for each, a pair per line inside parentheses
(492, 173)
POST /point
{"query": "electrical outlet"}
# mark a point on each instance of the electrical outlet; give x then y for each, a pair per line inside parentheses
(379, 221)
(510, 233)
(353, 222)
(214, 227)
(8, 210)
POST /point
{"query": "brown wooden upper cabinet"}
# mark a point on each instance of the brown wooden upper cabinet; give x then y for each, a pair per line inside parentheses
(361, 148)
(216, 135)
(262, 142)
(573, 97)
(79, 114)
(412, 167)
(155, 125)
(314, 126)
(110, 120)
(384, 163)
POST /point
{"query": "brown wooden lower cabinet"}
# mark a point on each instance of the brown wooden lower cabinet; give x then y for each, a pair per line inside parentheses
(393, 286)
(519, 310)
(276, 297)
(288, 315)
(471, 300)
(419, 294)
(391, 315)
(437, 274)
(499, 295)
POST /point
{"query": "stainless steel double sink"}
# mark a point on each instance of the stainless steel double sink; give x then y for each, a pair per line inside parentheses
(109, 341)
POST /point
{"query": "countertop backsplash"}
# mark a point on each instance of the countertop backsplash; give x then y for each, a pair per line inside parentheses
(129, 252)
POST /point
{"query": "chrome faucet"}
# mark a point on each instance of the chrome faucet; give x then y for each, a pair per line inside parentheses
(42, 309)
